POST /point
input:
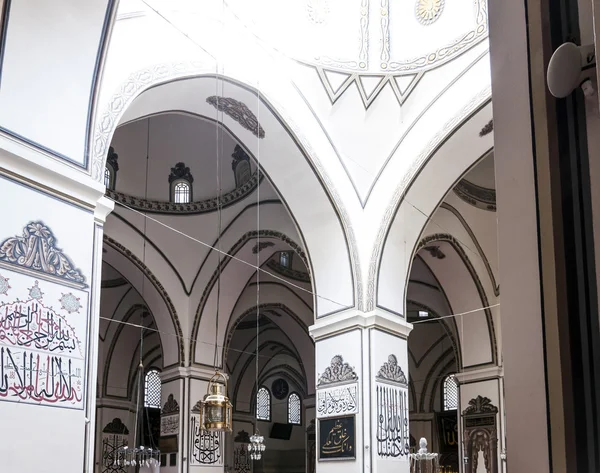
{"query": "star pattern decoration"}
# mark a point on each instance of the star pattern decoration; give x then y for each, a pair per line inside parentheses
(4, 286)
(70, 303)
(35, 292)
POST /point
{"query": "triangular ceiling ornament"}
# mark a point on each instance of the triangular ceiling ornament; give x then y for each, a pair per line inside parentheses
(370, 86)
(404, 85)
(335, 83)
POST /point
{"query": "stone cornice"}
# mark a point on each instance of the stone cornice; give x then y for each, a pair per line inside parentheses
(352, 318)
(199, 207)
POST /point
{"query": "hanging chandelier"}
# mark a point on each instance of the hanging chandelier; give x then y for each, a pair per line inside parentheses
(140, 456)
(256, 446)
(216, 409)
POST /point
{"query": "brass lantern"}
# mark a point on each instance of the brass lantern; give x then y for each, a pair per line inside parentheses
(215, 409)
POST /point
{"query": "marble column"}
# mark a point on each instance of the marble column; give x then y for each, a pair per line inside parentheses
(362, 393)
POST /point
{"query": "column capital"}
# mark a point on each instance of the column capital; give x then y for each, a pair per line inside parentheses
(197, 372)
(481, 374)
(353, 318)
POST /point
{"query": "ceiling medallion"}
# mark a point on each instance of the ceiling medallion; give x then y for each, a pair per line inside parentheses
(428, 11)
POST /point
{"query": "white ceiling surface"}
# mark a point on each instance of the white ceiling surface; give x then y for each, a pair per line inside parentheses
(483, 174)
(355, 153)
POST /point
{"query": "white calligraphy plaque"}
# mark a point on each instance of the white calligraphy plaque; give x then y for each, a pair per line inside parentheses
(169, 425)
(338, 400)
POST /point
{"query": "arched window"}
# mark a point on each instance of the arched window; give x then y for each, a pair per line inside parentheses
(240, 166)
(285, 259)
(263, 404)
(152, 389)
(112, 166)
(182, 193)
(180, 181)
(294, 409)
(450, 393)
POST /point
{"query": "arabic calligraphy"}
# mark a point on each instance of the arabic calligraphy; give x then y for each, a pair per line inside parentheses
(111, 461)
(337, 401)
(241, 459)
(392, 435)
(31, 376)
(206, 446)
(31, 325)
(336, 438)
(169, 425)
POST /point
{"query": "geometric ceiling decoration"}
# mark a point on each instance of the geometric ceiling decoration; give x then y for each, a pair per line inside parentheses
(369, 85)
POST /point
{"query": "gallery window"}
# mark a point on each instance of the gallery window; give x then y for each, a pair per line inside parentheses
(110, 171)
(263, 404)
(450, 393)
(294, 409)
(152, 387)
(285, 259)
(180, 182)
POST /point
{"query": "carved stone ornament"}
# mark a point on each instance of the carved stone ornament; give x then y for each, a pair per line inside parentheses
(239, 155)
(116, 427)
(261, 246)
(36, 250)
(428, 11)
(239, 112)
(435, 251)
(181, 171)
(113, 159)
(197, 409)
(391, 371)
(242, 437)
(337, 372)
(487, 129)
(171, 407)
(480, 405)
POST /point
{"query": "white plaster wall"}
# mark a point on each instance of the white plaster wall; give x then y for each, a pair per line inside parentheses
(73, 229)
(48, 72)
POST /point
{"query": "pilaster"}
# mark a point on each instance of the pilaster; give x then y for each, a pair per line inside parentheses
(362, 392)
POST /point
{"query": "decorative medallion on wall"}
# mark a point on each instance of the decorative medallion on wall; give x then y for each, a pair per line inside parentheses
(36, 251)
(318, 11)
(391, 390)
(477, 196)
(70, 303)
(337, 438)
(206, 448)
(280, 388)
(35, 292)
(261, 246)
(114, 436)
(242, 437)
(391, 371)
(337, 372)
(169, 417)
(4, 286)
(112, 159)
(428, 11)
(239, 112)
(480, 436)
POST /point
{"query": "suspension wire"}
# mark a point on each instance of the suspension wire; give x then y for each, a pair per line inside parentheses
(219, 216)
(258, 243)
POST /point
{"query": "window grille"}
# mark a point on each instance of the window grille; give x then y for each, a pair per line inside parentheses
(182, 193)
(294, 409)
(284, 259)
(450, 393)
(107, 180)
(263, 404)
(152, 389)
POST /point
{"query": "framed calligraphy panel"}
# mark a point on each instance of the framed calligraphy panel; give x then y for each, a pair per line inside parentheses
(337, 438)
(447, 424)
(336, 401)
(392, 437)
